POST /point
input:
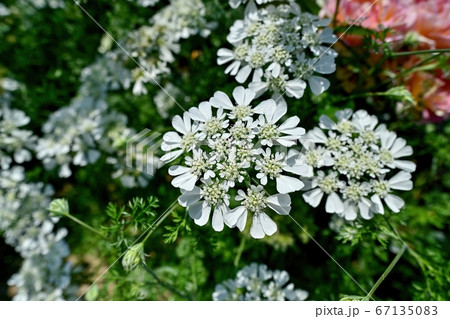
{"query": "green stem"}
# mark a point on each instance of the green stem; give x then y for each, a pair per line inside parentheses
(386, 272)
(85, 225)
(423, 263)
(336, 12)
(397, 54)
(160, 220)
(240, 251)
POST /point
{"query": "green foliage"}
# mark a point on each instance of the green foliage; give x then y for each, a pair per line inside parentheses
(126, 222)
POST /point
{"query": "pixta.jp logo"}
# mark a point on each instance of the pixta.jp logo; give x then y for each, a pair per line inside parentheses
(141, 152)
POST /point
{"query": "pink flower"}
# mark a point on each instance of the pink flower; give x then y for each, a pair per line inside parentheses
(395, 14)
(433, 22)
(431, 92)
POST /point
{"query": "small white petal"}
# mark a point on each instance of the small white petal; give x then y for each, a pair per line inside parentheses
(178, 170)
(231, 217)
(268, 225)
(221, 100)
(256, 230)
(280, 203)
(186, 181)
(189, 198)
(195, 211)
(394, 202)
(287, 184)
(405, 165)
(204, 217)
(217, 220)
(377, 206)
(243, 74)
(178, 124)
(401, 181)
(313, 197)
(334, 204)
(318, 84)
(168, 157)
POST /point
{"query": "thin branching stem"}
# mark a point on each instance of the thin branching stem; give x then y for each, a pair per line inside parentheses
(386, 272)
(80, 222)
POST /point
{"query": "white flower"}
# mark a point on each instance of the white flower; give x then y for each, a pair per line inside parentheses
(198, 166)
(392, 148)
(269, 132)
(242, 110)
(382, 188)
(257, 282)
(175, 144)
(256, 201)
(210, 125)
(212, 196)
(282, 47)
(352, 165)
(272, 166)
(277, 82)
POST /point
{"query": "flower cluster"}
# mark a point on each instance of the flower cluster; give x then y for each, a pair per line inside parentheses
(357, 164)
(153, 46)
(27, 226)
(257, 282)
(283, 47)
(231, 146)
(16, 144)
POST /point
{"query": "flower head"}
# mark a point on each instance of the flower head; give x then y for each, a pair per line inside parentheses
(227, 145)
(357, 166)
(257, 282)
(283, 48)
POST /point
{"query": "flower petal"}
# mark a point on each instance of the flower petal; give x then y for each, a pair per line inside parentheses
(217, 219)
(268, 225)
(257, 231)
(313, 197)
(334, 204)
(287, 184)
(280, 203)
(394, 202)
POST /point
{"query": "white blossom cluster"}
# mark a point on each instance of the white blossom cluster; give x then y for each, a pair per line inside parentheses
(153, 46)
(80, 133)
(27, 226)
(24, 220)
(283, 47)
(257, 282)
(230, 147)
(16, 144)
(357, 165)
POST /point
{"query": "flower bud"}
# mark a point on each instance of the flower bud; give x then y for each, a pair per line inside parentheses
(133, 257)
(59, 207)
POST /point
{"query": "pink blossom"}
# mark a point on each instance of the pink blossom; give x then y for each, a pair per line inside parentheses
(433, 22)
(394, 14)
(431, 92)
